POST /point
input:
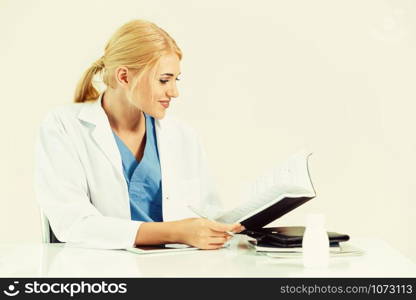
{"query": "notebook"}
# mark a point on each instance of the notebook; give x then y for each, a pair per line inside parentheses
(288, 236)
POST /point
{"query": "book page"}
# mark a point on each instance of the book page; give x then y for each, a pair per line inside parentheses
(290, 179)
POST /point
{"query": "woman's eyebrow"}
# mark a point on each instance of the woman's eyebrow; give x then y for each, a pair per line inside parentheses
(168, 74)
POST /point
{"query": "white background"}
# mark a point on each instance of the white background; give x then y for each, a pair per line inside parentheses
(261, 80)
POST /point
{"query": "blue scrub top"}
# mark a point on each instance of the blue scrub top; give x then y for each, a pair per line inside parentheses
(143, 178)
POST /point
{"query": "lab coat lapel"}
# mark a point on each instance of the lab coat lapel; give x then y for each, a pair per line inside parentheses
(163, 141)
(102, 133)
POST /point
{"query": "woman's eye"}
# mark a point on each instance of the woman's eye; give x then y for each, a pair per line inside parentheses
(165, 81)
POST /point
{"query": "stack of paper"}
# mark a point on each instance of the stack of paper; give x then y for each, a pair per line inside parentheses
(343, 249)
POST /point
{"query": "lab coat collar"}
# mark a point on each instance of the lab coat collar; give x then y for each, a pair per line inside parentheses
(93, 113)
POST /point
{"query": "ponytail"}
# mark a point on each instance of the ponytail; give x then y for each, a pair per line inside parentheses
(85, 90)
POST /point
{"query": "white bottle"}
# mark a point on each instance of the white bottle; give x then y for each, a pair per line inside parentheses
(315, 242)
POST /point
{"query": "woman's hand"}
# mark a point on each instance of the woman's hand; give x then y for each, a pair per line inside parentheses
(203, 233)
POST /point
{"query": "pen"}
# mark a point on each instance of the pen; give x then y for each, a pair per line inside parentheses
(205, 217)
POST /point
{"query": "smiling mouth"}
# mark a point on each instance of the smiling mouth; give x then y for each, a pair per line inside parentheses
(165, 104)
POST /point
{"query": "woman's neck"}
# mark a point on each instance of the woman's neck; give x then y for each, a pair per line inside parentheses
(123, 116)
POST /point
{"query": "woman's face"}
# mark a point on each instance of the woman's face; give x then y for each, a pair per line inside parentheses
(153, 92)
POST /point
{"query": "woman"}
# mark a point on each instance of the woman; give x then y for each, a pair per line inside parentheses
(112, 172)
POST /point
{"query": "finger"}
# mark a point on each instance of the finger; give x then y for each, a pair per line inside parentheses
(224, 236)
(219, 245)
(219, 233)
(226, 233)
(218, 240)
(221, 227)
(241, 228)
(236, 228)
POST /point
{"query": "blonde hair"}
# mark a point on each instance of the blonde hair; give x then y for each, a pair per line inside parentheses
(137, 45)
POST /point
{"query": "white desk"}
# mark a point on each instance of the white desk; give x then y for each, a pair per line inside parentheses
(57, 260)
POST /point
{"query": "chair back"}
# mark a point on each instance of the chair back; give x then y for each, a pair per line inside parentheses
(47, 234)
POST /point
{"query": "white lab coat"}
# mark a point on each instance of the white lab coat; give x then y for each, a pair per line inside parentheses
(81, 188)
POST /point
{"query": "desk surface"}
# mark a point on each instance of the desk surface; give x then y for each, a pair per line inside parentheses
(239, 260)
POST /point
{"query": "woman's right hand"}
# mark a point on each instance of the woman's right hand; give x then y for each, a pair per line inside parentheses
(203, 233)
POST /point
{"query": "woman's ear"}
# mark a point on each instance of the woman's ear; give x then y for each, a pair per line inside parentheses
(122, 76)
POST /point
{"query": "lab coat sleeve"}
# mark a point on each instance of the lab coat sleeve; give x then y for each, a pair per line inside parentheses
(62, 194)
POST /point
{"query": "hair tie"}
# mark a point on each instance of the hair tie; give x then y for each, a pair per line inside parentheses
(99, 64)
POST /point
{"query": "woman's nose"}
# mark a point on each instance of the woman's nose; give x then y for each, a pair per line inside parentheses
(173, 92)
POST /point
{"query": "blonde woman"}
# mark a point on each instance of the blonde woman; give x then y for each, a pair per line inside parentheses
(112, 171)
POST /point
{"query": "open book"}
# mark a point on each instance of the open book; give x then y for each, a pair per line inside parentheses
(273, 194)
